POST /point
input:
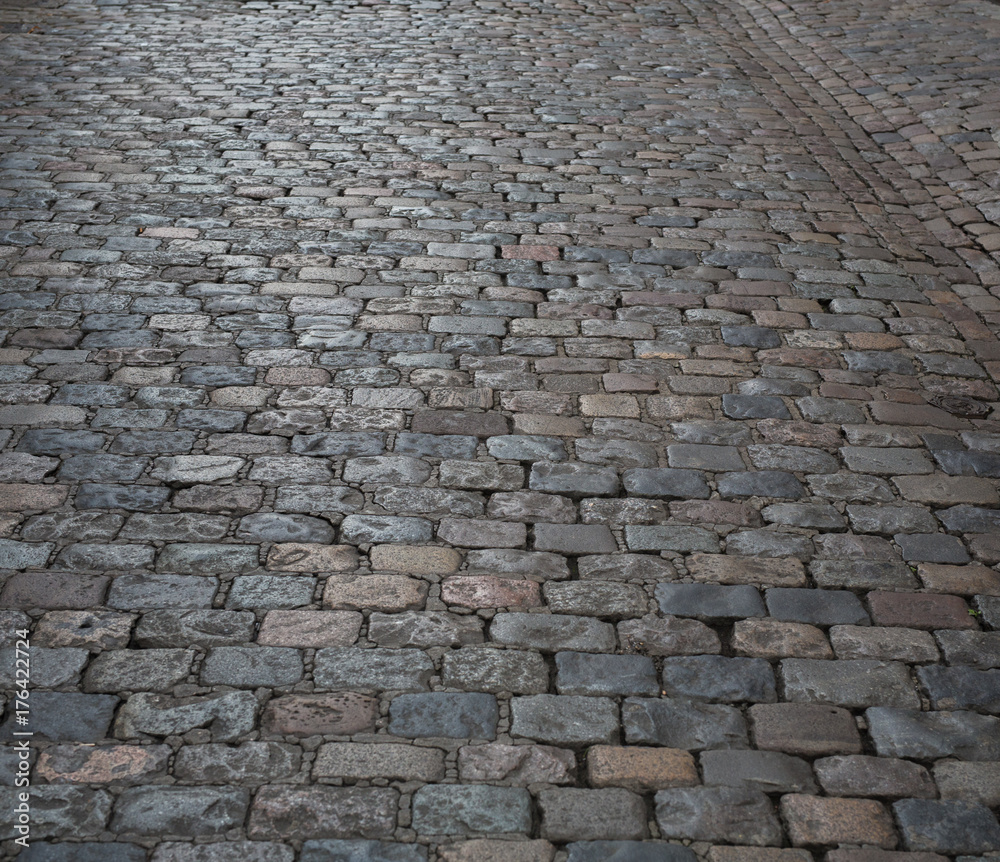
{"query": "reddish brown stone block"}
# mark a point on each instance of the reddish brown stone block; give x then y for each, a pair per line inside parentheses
(971, 580)
(529, 252)
(309, 629)
(475, 424)
(24, 497)
(486, 591)
(640, 769)
(926, 611)
(340, 714)
(89, 764)
(821, 821)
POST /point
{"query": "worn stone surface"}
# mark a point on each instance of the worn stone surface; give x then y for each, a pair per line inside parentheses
(407, 400)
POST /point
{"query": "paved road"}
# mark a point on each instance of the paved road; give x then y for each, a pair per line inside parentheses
(484, 431)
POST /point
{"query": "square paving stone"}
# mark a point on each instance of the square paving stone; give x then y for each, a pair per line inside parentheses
(819, 607)
(947, 826)
(933, 735)
(712, 677)
(433, 714)
(739, 815)
(564, 719)
(572, 814)
(589, 674)
(449, 809)
(688, 725)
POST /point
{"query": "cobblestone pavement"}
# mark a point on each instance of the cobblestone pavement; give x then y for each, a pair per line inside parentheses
(502, 431)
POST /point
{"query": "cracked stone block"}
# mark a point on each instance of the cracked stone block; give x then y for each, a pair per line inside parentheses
(227, 715)
(769, 771)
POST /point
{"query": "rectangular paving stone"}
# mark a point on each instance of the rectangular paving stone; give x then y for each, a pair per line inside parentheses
(339, 713)
(372, 669)
(138, 670)
(574, 814)
(819, 607)
(818, 821)
(448, 809)
(683, 724)
(552, 632)
(710, 601)
(435, 714)
(804, 729)
(947, 826)
(366, 761)
(769, 771)
(565, 720)
(931, 735)
(588, 674)
(857, 683)
(860, 775)
(961, 688)
(179, 811)
(741, 815)
(280, 813)
(495, 670)
(711, 677)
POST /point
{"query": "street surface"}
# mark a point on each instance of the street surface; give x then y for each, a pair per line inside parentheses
(500, 430)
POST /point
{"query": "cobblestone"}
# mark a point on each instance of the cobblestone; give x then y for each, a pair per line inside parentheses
(434, 432)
